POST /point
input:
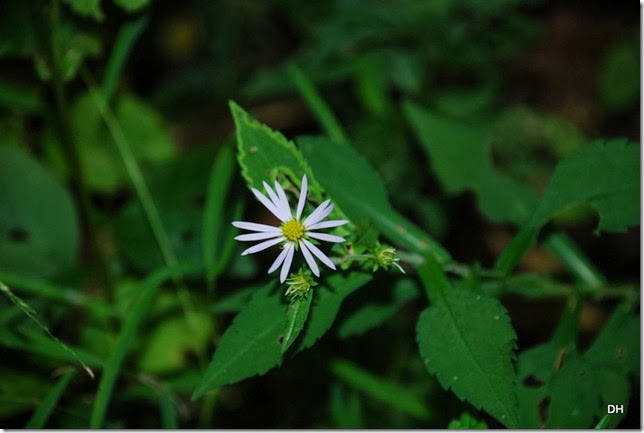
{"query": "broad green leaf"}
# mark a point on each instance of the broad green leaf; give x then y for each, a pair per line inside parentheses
(235, 302)
(574, 395)
(148, 289)
(618, 345)
(461, 159)
(166, 346)
(466, 422)
(262, 152)
(327, 300)
(142, 126)
(87, 8)
(252, 343)
(466, 339)
(132, 5)
(374, 314)
(389, 393)
(296, 314)
(615, 388)
(213, 215)
(39, 233)
(40, 416)
(604, 174)
(361, 194)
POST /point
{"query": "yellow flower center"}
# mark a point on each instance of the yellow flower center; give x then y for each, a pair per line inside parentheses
(293, 230)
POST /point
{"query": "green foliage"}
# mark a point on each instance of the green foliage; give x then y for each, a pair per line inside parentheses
(39, 418)
(263, 153)
(603, 174)
(361, 194)
(88, 8)
(132, 5)
(252, 343)
(140, 124)
(296, 314)
(466, 339)
(389, 393)
(326, 303)
(461, 159)
(618, 81)
(466, 422)
(38, 222)
(372, 315)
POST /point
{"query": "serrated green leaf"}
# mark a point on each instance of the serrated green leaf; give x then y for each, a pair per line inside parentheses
(466, 339)
(262, 152)
(251, 345)
(296, 314)
(326, 303)
(39, 233)
(389, 393)
(373, 315)
(461, 159)
(604, 174)
(466, 422)
(361, 194)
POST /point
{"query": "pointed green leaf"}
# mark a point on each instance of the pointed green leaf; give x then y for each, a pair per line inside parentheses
(251, 345)
(262, 152)
(326, 303)
(362, 195)
(296, 314)
(466, 339)
(461, 157)
(40, 416)
(604, 174)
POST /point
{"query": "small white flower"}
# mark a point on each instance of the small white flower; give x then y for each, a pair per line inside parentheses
(291, 233)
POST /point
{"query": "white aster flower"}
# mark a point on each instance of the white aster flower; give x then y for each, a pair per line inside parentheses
(292, 233)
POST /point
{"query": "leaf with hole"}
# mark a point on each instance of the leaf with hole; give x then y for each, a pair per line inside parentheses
(39, 232)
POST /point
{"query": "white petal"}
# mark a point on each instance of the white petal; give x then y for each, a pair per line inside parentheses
(309, 259)
(268, 204)
(303, 192)
(278, 261)
(286, 208)
(327, 224)
(256, 227)
(276, 201)
(311, 219)
(287, 263)
(257, 236)
(320, 216)
(319, 254)
(326, 237)
(263, 245)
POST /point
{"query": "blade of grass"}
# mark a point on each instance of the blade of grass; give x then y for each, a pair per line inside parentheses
(31, 313)
(40, 416)
(320, 108)
(166, 407)
(393, 395)
(56, 293)
(574, 259)
(218, 185)
(603, 423)
(148, 288)
(125, 40)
